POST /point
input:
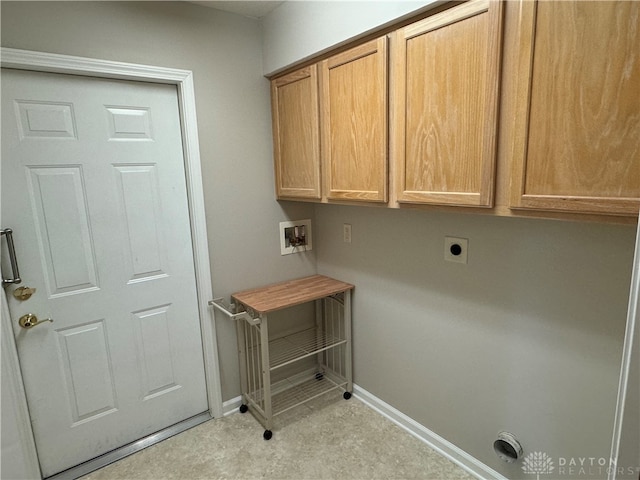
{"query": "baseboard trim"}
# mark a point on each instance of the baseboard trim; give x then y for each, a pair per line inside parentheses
(435, 441)
(231, 406)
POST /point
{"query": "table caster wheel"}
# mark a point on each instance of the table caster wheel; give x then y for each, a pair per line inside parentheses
(346, 395)
(244, 408)
(267, 434)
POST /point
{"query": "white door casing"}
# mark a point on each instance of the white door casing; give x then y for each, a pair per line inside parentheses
(19, 460)
(625, 448)
(64, 64)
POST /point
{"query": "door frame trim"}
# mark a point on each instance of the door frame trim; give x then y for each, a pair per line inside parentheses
(631, 335)
(183, 80)
(13, 387)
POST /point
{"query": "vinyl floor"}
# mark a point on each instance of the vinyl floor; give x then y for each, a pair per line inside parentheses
(326, 439)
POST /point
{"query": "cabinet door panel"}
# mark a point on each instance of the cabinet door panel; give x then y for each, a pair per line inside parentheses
(354, 120)
(578, 147)
(446, 74)
(296, 139)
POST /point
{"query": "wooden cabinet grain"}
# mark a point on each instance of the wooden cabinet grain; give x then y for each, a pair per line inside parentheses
(445, 75)
(296, 134)
(577, 122)
(354, 123)
(446, 112)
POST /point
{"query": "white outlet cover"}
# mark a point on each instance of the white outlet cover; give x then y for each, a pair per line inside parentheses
(346, 232)
(284, 250)
(450, 244)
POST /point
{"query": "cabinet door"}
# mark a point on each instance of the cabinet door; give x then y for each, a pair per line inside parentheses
(354, 123)
(296, 138)
(578, 119)
(445, 96)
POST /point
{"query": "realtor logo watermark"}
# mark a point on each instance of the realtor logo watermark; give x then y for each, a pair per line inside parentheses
(539, 463)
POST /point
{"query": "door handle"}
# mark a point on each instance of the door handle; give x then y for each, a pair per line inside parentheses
(12, 258)
(30, 320)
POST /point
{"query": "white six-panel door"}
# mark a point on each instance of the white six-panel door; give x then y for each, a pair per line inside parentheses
(93, 186)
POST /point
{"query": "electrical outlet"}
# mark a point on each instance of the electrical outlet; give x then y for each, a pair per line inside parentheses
(346, 232)
(456, 249)
(295, 236)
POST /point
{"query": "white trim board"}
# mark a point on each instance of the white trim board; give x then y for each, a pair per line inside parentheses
(633, 314)
(445, 448)
(231, 406)
(183, 79)
(26, 464)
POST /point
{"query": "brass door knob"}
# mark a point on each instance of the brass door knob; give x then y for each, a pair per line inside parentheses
(30, 320)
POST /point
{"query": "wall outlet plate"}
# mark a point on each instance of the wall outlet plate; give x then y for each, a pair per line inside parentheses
(456, 249)
(346, 232)
(304, 229)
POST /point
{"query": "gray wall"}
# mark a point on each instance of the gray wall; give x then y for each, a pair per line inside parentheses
(225, 53)
(527, 337)
(291, 30)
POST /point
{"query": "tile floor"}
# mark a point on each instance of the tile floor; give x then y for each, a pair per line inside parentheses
(326, 439)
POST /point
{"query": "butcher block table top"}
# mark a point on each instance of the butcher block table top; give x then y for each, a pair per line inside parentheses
(287, 294)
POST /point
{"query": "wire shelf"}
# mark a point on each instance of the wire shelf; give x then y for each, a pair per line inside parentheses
(289, 349)
(303, 392)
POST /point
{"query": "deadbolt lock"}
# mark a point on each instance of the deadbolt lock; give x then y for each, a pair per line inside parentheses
(23, 293)
(30, 320)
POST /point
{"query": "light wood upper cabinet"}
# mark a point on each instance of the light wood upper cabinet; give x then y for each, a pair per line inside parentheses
(577, 144)
(445, 76)
(354, 123)
(544, 122)
(296, 134)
